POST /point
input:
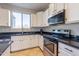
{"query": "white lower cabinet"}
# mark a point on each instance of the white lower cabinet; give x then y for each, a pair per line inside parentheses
(63, 53)
(6, 52)
(16, 45)
(24, 42)
(34, 40)
(37, 40)
(20, 42)
(66, 50)
(41, 41)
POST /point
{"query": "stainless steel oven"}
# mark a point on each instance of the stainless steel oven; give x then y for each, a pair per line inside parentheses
(51, 41)
(51, 46)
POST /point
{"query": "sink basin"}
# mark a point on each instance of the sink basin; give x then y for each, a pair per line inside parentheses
(3, 46)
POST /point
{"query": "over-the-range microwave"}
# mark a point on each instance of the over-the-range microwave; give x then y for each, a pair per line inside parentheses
(58, 18)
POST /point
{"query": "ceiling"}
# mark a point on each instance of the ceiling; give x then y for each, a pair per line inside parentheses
(32, 6)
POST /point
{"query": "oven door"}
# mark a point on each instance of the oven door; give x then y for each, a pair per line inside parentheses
(51, 47)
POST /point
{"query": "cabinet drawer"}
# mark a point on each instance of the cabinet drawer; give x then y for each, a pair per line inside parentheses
(69, 49)
(63, 53)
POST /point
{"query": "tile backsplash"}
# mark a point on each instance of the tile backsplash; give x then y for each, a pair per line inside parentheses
(73, 27)
(8, 29)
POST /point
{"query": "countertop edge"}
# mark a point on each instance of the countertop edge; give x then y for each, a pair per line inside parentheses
(6, 48)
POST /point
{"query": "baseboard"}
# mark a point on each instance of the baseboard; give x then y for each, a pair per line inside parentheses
(24, 49)
(41, 50)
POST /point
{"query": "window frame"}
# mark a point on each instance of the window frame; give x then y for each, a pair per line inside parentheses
(10, 21)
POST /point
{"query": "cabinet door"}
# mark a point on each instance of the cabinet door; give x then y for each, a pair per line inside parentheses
(45, 18)
(17, 43)
(26, 42)
(51, 9)
(6, 52)
(72, 12)
(33, 20)
(34, 40)
(41, 41)
(63, 53)
(4, 17)
(39, 19)
(59, 6)
(68, 49)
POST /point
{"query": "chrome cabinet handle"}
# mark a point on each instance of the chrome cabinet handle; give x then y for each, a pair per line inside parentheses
(68, 49)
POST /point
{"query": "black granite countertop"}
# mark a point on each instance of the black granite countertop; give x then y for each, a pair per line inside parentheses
(18, 33)
(4, 46)
(70, 42)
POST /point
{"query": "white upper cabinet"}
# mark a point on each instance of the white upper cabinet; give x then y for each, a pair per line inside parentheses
(51, 10)
(4, 17)
(40, 19)
(37, 19)
(33, 20)
(45, 18)
(59, 6)
(72, 12)
(54, 8)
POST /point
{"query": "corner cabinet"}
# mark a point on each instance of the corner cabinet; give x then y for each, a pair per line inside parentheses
(4, 17)
(72, 12)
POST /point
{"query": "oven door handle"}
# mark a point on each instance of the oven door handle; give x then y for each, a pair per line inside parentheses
(51, 42)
